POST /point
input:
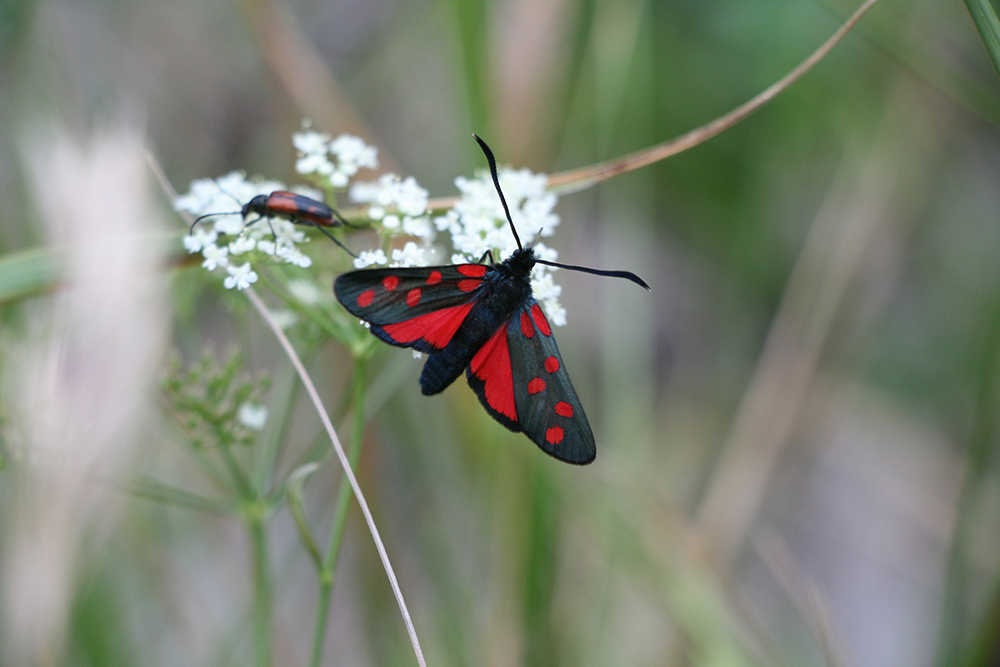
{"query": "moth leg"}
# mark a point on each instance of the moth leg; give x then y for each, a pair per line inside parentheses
(488, 253)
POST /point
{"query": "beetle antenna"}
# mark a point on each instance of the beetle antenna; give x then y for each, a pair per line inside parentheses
(496, 182)
(209, 215)
(627, 275)
(227, 193)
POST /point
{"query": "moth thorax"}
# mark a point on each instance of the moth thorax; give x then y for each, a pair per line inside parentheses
(521, 261)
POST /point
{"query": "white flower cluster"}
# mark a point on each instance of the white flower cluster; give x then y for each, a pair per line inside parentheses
(477, 223)
(397, 207)
(223, 238)
(350, 154)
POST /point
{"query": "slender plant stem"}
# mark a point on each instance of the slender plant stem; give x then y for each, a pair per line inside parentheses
(953, 648)
(344, 462)
(580, 179)
(243, 485)
(988, 26)
(262, 591)
(328, 573)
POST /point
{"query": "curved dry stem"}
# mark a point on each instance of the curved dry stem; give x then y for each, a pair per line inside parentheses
(580, 179)
(338, 448)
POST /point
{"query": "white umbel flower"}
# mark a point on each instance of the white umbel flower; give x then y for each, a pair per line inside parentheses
(240, 277)
(253, 416)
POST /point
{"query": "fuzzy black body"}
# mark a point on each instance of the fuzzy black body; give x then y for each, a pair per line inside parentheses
(506, 287)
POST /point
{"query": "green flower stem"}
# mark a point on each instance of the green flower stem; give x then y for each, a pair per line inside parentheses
(240, 479)
(262, 589)
(212, 471)
(329, 326)
(152, 489)
(297, 506)
(988, 26)
(270, 444)
(955, 646)
(328, 573)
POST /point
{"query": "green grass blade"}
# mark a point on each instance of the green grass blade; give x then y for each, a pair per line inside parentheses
(988, 26)
(29, 272)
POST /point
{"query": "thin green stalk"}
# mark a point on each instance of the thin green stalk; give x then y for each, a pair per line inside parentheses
(243, 486)
(328, 574)
(152, 489)
(988, 26)
(269, 446)
(952, 640)
(262, 590)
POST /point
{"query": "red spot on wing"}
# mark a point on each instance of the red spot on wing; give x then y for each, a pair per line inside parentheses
(434, 278)
(390, 282)
(536, 385)
(564, 409)
(468, 285)
(436, 327)
(539, 317)
(472, 270)
(554, 435)
(552, 364)
(413, 297)
(527, 328)
(492, 365)
(366, 297)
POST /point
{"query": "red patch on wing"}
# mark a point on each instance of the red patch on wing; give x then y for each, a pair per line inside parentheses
(468, 285)
(436, 327)
(536, 385)
(564, 409)
(472, 270)
(434, 278)
(539, 317)
(554, 435)
(527, 328)
(283, 202)
(413, 297)
(552, 364)
(492, 365)
(390, 282)
(365, 298)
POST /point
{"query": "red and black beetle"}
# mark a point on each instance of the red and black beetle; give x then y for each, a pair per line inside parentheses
(295, 208)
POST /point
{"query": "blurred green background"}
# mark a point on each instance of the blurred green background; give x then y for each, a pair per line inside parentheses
(796, 428)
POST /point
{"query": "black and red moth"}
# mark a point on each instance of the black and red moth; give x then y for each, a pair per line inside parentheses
(482, 319)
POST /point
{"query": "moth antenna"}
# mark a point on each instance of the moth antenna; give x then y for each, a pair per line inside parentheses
(627, 275)
(496, 182)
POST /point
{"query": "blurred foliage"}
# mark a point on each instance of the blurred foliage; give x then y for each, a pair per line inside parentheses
(884, 487)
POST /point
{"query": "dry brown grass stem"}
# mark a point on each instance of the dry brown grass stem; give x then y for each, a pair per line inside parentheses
(301, 70)
(580, 179)
(869, 191)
